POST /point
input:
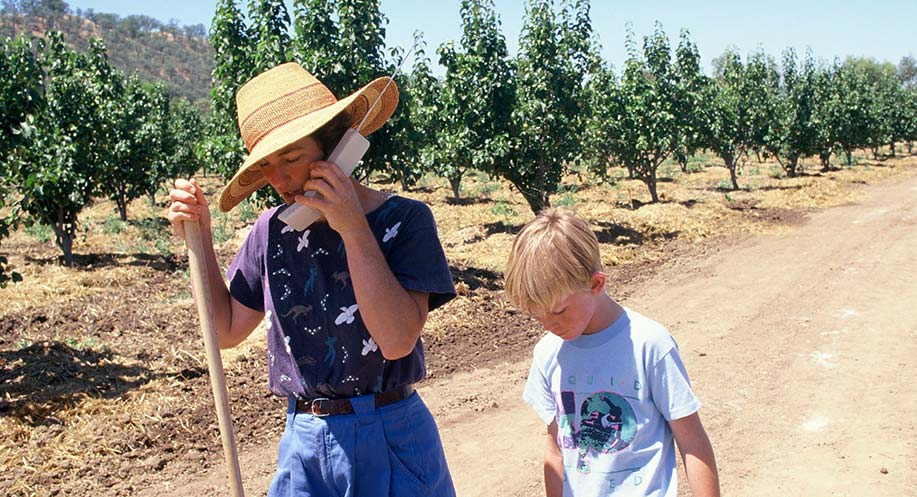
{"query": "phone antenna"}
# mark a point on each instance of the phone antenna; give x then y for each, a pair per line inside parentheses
(390, 79)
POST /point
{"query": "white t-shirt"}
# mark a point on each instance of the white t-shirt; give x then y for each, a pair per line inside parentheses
(612, 393)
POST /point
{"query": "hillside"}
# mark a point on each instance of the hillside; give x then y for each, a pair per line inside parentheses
(179, 56)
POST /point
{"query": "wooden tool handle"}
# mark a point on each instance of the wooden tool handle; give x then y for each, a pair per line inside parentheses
(202, 297)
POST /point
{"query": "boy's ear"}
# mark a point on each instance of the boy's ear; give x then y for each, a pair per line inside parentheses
(597, 284)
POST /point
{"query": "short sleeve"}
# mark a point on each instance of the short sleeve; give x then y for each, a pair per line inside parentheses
(671, 387)
(417, 259)
(537, 394)
(246, 272)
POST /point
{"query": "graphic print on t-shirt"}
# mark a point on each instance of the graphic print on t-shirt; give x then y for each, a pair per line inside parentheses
(606, 424)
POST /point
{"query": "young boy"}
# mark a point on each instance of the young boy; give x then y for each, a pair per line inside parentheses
(608, 382)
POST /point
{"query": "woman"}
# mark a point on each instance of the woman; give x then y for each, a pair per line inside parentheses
(344, 300)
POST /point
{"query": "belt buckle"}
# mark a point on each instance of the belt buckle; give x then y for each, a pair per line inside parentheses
(312, 407)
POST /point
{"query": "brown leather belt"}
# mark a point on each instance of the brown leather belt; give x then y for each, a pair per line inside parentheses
(323, 406)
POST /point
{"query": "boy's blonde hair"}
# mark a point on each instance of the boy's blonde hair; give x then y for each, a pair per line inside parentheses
(553, 256)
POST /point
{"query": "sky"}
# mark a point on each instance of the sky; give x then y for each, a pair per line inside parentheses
(885, 30)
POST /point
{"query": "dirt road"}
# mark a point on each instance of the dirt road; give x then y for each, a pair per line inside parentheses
(800, 345)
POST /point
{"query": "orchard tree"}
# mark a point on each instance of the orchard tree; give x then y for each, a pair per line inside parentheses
(477, 97)
(762, 82)
(128, 154)
(548, 118)
(691, 112)
(910, 130)
(55, 172)
(826, 104)
(316, 38)
(417, 118)
(731, 109)
(21, 99)
(647, 131)
(907, 71)
(223, 150)
(896, 112)
(269, 31)
(602, 127)
(180, 157)
(795, 133)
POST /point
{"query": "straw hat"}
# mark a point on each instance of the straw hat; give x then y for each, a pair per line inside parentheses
(285, 104)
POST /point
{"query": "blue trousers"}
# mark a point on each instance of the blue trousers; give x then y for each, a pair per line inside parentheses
(394, 450)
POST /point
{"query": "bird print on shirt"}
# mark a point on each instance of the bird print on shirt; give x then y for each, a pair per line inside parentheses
(391, 233)
(303, 241)
(346, 315)
(369, 346)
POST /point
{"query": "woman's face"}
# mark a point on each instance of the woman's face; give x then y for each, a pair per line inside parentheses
(290, 167)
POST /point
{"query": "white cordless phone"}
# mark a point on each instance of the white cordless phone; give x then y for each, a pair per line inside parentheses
(346, 155)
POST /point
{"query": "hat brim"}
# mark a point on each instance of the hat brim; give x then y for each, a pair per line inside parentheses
(249, 177)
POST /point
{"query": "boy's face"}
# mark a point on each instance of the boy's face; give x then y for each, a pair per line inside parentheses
(572, 315)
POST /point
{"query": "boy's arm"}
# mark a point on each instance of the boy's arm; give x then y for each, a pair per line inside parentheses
(553, 464)
(697, 454)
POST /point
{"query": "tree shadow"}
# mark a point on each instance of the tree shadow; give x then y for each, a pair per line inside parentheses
(94, 262)
(501, 227)
(45, 377)
(468, 200)
(768, 188)
(617, 234)
(476, 278)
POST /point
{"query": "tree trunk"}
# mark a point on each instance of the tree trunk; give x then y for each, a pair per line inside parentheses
(152, 198)
(825, 161)
(122, 208)
(875, 153)
(849, 153)
(910, 147)
(731, 165)
(790, 166)
(892, 147)
(651, 184)
(64, 234)
(455, 182)
(537, 201)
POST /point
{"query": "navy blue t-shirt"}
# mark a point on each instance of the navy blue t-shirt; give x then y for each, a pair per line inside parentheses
(318, 345)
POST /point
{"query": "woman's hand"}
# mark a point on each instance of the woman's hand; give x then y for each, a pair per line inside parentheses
(188, 204)
(336, 197)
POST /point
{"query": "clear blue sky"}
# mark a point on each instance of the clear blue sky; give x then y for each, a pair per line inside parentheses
(883, 29)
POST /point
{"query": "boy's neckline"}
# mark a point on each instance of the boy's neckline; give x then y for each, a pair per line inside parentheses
(603, 335)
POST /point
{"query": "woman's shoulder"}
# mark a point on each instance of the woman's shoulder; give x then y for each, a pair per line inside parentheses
(408, 210)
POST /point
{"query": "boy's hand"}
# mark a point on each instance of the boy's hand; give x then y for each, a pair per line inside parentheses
(188, 204)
